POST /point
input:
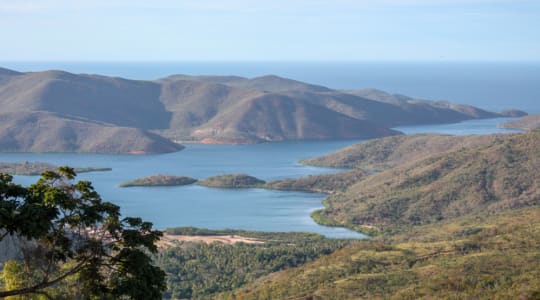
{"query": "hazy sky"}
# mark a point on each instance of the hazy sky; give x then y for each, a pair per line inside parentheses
(181, 30)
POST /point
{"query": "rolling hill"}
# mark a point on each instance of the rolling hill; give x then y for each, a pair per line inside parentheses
(213, 109)
(384, 153)
(493, 176)
(525, 123)
(461, 224)
(46, 132)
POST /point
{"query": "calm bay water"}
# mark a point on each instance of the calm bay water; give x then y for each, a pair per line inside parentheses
(489, 86)
(251, 209)
(486, 126)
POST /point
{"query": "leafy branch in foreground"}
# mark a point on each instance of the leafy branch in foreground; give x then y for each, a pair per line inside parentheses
(67, 243)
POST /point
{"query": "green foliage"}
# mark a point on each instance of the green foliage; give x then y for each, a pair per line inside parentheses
(482, 257)
(66, 234)
(459, 225)
(199, 270)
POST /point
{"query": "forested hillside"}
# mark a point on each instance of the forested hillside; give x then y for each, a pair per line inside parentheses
(486, 256)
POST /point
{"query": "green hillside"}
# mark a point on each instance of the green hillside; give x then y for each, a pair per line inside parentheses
(493, 177)
(461, 225)
(487, 256)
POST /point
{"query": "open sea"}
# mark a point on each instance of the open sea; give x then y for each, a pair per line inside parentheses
(493, 87)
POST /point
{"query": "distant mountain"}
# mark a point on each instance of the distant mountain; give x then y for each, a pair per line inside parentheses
(105, 99)
(46, 132)
(215, 109)
(525, 123)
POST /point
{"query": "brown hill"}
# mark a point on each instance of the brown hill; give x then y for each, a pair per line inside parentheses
(273, 117)
(388, 152)
(491, 177)
(224, 109)
(461, 225)
(424, 111)
(525, 123)
(113, 100)
(44, 132)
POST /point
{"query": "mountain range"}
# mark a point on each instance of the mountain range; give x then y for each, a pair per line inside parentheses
(57, 111)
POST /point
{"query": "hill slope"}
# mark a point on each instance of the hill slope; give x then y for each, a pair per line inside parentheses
(44, 132)
(492, 177)
(461, 225)
(480, 257)
(221, 109)
(525, 123)
(105, 99)
(385, 153)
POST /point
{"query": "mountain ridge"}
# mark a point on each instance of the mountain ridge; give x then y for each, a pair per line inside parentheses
(219, 109)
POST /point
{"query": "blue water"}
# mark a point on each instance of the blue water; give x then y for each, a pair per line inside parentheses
(250, 209)
(485, 126)
(492, 86)
(489, 86)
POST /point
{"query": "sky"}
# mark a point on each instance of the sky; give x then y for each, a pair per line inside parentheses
(270, 30)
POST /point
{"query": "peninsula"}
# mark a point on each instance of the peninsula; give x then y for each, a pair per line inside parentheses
(36, 168)
(57, 111)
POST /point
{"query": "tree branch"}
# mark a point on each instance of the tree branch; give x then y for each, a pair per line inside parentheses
(36, 289)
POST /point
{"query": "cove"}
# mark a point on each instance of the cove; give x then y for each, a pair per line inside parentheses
(248, 209)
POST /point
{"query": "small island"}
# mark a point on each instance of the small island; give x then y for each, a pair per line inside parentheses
(36, 168)
(232, 181)
(160, 180)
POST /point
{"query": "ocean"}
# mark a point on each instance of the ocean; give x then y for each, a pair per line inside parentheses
(489, 86)
(492, 86)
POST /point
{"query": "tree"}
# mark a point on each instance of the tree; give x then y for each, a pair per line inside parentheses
(67, 238)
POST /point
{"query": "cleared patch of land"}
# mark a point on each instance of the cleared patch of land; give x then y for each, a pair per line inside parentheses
(169, 240)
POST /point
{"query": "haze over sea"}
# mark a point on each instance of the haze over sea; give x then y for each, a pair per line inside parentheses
(493, 87)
